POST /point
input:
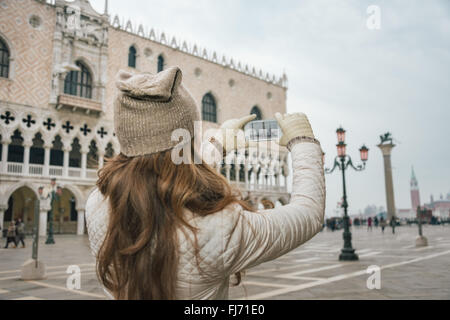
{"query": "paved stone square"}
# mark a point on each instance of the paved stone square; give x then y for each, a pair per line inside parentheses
(310, 272)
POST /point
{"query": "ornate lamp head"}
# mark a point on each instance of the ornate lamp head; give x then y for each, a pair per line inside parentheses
(341, 146)
(364, 151)
(340, 134)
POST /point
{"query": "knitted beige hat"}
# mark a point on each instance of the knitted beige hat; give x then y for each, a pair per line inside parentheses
(148, 108)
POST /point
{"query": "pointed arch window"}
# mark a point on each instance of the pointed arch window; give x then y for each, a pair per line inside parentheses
(257, 111)
(109, 151)
(4, 59)
(15, 148)
(79, 83)
(132, 57)
(160, 63)
(209, 109)
(75, 154)
(57, 153)
(92, 156)
(37, 151)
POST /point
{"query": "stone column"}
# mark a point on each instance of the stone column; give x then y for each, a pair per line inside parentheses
(80, 222)
(84, 151)
(386, 150)
(101, 159)
(266, 176)
(66, 161)
(5, 144)
(47, 148)
(26, 157)
(227, 170)
(246, 171)
(2, 216)
(271, 173)
(277, 175)
(218, 166)
(255, 176)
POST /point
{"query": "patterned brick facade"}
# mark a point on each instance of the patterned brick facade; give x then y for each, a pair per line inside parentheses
(31, 52)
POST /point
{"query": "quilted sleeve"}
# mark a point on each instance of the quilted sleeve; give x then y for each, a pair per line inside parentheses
(268, 234)
(96, 220)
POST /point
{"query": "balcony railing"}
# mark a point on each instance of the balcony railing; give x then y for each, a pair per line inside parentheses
(75, 172)
(36, 169)
(56, 171)
(14, 168)
(91, 173)
(75, 102)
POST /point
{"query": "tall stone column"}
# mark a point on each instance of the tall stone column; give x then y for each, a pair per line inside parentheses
(386, 150)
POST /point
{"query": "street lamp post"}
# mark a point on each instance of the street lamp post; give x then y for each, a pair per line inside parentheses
(342, 161)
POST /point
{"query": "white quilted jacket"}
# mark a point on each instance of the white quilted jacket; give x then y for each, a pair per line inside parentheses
(227, 243)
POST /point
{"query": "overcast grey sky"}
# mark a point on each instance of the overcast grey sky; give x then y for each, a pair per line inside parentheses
(340, 73)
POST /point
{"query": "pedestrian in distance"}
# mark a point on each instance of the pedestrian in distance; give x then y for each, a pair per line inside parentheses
(161, 229)
(333, 224)
(20, 232)
(11, 234)
(369, 224)
(382, 224)
(393, 223)
(375, 221)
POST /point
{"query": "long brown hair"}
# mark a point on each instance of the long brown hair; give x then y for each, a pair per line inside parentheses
(147, 196)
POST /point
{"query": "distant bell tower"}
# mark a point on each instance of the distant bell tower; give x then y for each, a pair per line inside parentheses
(415, 197)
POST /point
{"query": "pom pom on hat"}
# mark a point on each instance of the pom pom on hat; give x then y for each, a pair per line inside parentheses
(156, 87)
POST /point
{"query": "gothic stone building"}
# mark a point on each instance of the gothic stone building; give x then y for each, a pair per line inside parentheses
(58, 60)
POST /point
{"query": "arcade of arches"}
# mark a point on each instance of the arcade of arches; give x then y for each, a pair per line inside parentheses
(21, 205)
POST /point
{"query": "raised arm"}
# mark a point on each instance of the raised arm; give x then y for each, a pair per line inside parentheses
(268, 234)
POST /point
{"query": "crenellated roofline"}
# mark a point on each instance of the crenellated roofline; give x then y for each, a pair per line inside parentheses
(172, 42)
(195, 50)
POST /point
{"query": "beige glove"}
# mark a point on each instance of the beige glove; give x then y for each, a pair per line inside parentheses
(231, 134)
(293, 125)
